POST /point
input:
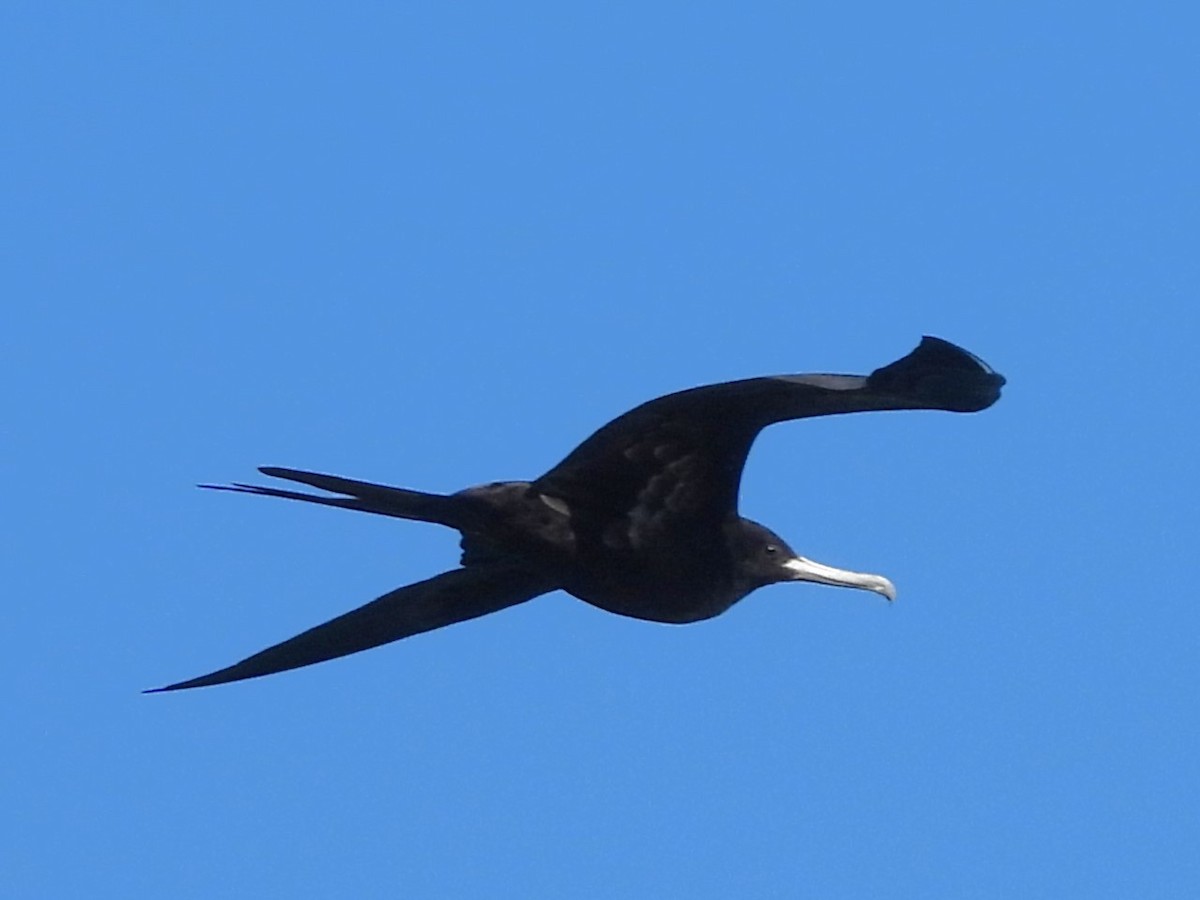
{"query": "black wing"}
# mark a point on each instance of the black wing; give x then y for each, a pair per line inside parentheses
(451, 597)
(680, 458)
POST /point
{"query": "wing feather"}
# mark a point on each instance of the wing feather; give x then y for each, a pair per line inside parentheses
(679, 458)
(453, 596)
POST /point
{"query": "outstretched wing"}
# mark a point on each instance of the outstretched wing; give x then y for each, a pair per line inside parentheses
(453, 596)
(679, 458)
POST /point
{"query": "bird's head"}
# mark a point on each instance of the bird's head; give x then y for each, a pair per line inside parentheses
(763, 558)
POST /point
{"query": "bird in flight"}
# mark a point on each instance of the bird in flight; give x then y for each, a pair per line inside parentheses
(640, 519)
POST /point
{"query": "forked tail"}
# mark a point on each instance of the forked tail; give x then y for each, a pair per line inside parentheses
(452, 511)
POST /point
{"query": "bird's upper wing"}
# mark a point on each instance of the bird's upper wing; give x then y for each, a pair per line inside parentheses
(679, 458)
(451, 597)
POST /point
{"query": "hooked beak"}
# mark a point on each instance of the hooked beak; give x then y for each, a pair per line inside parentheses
(802, 569)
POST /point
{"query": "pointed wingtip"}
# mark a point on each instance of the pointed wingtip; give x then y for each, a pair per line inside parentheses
(202, 681)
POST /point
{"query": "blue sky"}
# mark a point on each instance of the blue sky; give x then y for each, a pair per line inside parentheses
(438, 244)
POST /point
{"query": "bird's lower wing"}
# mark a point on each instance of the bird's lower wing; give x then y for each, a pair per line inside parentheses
(451, 597)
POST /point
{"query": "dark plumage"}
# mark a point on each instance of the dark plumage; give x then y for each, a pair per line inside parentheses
(640, 519)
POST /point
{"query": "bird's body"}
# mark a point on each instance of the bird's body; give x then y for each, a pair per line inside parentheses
(668, 577)
(641, 519)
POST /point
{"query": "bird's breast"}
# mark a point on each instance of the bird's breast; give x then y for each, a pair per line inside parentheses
(605, 558)
(676, 587)
(656, 602)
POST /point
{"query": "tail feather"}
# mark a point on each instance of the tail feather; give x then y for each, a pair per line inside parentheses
(453, 511)
(340, 502)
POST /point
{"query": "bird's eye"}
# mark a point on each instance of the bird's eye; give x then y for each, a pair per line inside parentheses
(772, 549)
